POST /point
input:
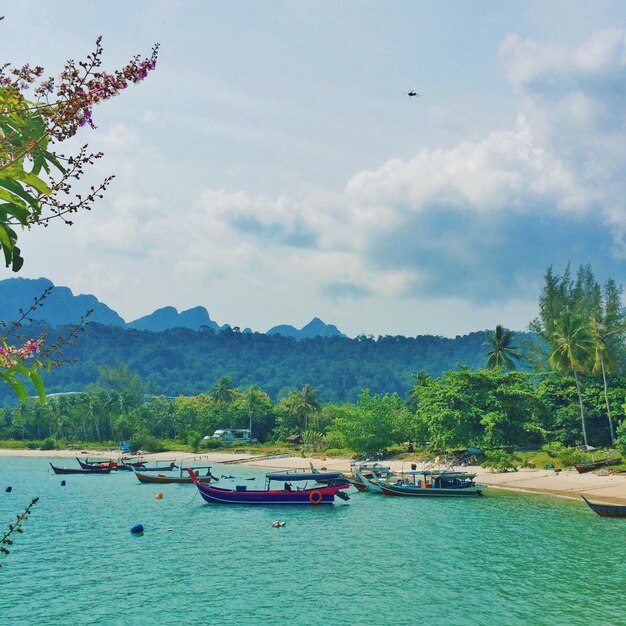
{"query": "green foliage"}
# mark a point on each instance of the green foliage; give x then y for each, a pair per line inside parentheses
(193, 440)
(338, 367)
(48, 444)
(146, 442)
(374, 424)
(313, 440)
(212, 444)
(502, 353)
(484, 408)
(499, 461)
(566, 457)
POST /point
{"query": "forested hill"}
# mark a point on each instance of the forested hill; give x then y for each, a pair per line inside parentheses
(186, 362)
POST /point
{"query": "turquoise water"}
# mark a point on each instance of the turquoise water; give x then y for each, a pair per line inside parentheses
(502, 559)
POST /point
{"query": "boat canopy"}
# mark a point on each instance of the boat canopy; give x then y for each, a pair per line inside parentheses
(305, 476)
(438, 474)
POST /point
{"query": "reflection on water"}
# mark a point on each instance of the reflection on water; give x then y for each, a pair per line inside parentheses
(501, 559)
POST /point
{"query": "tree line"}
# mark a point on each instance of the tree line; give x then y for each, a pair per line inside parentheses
(567, 387)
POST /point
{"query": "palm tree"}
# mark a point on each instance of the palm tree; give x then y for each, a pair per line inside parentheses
(502, 351)
(306, 404)
(604, 360)
(254, 401)
(223, 392)
(572, 352)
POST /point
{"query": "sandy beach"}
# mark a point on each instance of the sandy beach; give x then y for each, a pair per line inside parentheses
(597, 486)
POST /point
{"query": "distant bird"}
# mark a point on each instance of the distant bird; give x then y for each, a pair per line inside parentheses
(412, 93)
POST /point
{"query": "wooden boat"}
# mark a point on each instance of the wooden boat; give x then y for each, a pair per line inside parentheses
(606, 510)
(160, 468)
(370, 475)
(367, 470)
(583, 468)
(182, 479)
(114, 465)
(310, 496)
(432, 484)
(73, 470)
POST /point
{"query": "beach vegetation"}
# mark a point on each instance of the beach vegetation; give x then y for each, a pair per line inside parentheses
(499, 461)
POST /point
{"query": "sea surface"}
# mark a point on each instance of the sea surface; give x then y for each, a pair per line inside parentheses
(503, 559)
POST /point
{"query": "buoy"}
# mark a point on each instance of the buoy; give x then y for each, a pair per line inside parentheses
(159, 496)
(138, 528)
(169, 530)
(62, 483)
(8, 490)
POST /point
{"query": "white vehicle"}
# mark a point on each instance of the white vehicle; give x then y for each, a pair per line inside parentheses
(233, 435)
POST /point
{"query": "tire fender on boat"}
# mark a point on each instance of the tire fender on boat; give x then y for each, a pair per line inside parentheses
(315, 497)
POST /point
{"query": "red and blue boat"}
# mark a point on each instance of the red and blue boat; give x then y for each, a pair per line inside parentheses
(314, 495)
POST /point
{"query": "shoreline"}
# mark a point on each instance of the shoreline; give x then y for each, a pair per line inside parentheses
(604, 488)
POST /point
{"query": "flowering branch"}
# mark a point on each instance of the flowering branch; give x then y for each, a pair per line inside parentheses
(29, 192)
(16, 528)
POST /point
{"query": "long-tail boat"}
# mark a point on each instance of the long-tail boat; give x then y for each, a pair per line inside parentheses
(311, 496)
(160, 468)
(182, 479)
(121, 465)
(368, 470)
(76, 470)
(430, 484)
(606, 510)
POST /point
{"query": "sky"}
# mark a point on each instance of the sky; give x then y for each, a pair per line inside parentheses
(273, 169)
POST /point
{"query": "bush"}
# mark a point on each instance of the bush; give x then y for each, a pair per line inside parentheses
(31, 445)
(569, 456)
(193, 440)
(212, 444)
(145, 441)
(499, 461)
(48, 444)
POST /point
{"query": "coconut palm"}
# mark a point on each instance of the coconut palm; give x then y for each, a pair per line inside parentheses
(572, 352)
(223, 392)
(604, 361)
(502, 351)
(254, 402)
(305, 404)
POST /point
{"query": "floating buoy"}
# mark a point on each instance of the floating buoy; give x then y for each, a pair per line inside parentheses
(169, 530)
(8, 490)
(159, 496)
(138, 528)
(63, 483)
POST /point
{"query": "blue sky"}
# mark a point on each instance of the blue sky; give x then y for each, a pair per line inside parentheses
(272, 168)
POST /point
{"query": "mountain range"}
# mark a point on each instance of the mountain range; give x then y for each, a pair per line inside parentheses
(62, 307)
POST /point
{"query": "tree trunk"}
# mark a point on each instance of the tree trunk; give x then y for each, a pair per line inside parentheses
(606, 397)
(582, 408)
